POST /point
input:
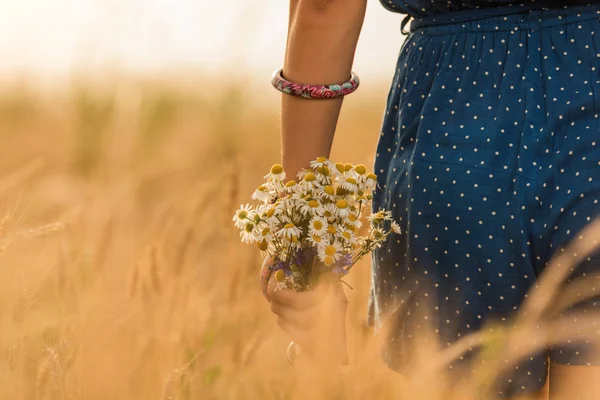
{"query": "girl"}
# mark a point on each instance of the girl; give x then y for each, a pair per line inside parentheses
(488, 157)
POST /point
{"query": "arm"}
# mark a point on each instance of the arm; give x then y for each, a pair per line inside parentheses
(322, 38)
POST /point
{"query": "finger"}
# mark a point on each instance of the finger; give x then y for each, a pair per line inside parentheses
(302, 320)
(297, 300)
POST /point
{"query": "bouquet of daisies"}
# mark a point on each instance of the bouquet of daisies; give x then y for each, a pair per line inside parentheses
(307, 227)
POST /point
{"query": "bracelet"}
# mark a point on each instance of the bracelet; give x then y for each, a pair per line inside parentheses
(292, 352)
(314, 91)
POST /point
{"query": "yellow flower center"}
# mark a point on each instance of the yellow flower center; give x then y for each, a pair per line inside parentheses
(263, 245)
(328, 261)
(242, 215)
(360, 169)
(280, 275)
(323, 170)
(290, 184)
(276, 169)
(330, 250)
(340, 167)
(327, 214)
(346, 234)
(318, 225)
(341, 204)
(331, 229)
(329, 190)
(348, 167)
(310, 177)
(340, 191)
(249, 228)
(266, 231)
(317, 238)
(321, 159)
(262, 188)
(271, 212)
(372, 177)
(351, 227)
(313, 204)
(352, 217)
(351, 181)
(289, 226)
(294, 239)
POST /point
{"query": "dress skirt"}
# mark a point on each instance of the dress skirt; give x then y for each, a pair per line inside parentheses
(489, 159)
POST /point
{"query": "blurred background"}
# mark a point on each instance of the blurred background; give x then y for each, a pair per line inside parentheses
(63, 38)
(130, 132)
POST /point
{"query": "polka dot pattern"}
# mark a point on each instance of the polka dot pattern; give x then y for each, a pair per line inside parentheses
(489, 158)
(458, 10)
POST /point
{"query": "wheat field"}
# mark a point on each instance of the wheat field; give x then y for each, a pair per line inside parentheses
(121, 273)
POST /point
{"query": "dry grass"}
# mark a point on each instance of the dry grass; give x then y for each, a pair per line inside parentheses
(121, 275)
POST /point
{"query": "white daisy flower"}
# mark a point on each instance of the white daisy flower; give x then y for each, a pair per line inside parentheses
(262, 193)
(380, 216)
(378, 236)
(342, 208)
(327, 192)
(360, 172)
(396, 228)
(264, 232)
(315, 240)
(309, 182)
(352, 218)
(370, 182)
(323, 174)
(290, 231)
(339, 170)
(348, 236)
(291, 186)
(329, 253)
(274, 214)
(311, 208)
(349, 184)
(243, 215)
(319, 162)
(329, 210)
(317, 226)
(356, 222)
(332, 228)
(248, 235)
(276, 174)
(350, 227)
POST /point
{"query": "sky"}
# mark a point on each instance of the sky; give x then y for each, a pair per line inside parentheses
(54, 38)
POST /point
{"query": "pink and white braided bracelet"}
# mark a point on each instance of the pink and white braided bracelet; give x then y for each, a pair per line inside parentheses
(314, 91)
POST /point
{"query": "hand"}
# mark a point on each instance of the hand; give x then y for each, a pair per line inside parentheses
(314, 319)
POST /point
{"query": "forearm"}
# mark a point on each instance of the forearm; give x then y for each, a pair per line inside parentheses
(322, 38)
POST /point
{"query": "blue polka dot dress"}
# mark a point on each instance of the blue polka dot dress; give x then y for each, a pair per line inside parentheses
(489, 158)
